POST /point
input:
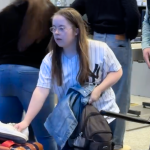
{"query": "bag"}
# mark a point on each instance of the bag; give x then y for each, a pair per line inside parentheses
(10, 145)
(95, 133)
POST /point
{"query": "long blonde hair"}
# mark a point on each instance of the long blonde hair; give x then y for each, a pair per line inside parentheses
(82, 48)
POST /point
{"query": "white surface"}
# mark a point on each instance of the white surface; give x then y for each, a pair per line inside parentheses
(136, 46)
(4, 3)
(140, 80)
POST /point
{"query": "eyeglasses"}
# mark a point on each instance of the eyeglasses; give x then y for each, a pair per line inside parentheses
(60, 29)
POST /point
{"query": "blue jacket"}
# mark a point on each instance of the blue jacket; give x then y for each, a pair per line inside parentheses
(64, 119)
(146, 28)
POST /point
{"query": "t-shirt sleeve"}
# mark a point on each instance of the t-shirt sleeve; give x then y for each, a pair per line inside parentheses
(45, 73)
(110, 62)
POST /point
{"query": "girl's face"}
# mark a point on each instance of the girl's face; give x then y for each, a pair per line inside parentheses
(63, 32)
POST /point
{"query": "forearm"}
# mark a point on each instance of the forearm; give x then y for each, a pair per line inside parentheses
(38, 98)
(110, 80)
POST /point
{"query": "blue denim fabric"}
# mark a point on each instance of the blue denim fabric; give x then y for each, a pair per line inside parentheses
(17, 84)
(62, 121)
(123, 52)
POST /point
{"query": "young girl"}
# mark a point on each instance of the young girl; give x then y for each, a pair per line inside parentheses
(71, 60)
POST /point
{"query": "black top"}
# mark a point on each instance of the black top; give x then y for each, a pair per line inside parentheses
(110, 16)
(10, 24)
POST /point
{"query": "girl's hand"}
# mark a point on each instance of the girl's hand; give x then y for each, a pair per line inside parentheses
(95, 95)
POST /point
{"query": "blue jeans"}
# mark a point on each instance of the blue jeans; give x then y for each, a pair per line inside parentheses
(123, 52)
(17, 84)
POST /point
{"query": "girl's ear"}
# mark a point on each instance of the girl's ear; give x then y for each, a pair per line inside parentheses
(76, 31)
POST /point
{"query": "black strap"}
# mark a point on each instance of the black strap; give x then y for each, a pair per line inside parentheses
(123, 116)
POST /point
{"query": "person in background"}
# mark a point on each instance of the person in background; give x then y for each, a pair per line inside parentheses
(24, 37)
(115, 22)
